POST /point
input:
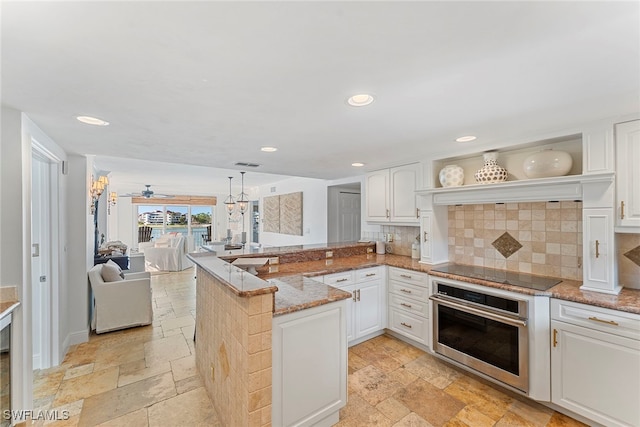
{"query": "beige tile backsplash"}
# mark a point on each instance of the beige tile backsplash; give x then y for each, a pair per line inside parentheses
(628, 271)
(550, 234)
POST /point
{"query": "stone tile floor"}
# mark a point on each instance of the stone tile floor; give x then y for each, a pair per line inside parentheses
(146, 376)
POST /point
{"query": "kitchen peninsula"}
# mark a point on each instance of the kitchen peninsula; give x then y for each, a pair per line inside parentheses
(239, 319)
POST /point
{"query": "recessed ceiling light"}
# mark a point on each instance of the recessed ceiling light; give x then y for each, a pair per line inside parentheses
(92, 121)
(360, 100)
(357, 164)
(268, 149)
(467, 138)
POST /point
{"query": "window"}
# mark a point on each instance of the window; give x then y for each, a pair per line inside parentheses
(195, 221)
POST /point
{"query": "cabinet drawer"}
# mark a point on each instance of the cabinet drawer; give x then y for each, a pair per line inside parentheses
(339, 279)
(408, 276)
(409, 325)
(601, 319)
(419, 308)
(407, 290)
(367, 274)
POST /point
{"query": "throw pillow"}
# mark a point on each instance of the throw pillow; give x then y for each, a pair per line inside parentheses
(110, 273)
(115, 264)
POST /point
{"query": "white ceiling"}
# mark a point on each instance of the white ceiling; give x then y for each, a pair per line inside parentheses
(208, 83)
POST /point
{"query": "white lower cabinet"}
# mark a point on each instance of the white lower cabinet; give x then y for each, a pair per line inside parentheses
(595, 362)
(366, 309)
(309, 366)
(409, 304)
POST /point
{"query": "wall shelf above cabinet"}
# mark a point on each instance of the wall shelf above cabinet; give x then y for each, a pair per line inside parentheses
(530, 190)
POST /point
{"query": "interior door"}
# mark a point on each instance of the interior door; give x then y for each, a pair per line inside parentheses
(348, 217)
(40, 261)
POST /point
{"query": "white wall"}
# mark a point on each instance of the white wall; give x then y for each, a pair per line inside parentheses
(314, 211)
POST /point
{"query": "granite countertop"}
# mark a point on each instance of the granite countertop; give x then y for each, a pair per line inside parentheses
(282, 250)
(298, 293)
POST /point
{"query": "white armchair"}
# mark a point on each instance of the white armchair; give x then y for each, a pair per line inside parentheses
(168, 253)
(122, 303)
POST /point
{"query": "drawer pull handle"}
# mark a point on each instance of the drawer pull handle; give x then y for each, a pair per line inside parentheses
(555, 337)
(370, 274)
(406, 276)
(353, 296)
(608, 322)
(406, 325)
(342, 280)
(622, 210)
(426, 238)
(358, 291)
(406, 291)
(388, 213)
(417, 212)
(405, 305)
(597, 249)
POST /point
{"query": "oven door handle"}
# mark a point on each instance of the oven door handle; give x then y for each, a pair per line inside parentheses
(478, 312)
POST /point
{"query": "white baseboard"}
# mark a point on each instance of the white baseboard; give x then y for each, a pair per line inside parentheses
(74, 338)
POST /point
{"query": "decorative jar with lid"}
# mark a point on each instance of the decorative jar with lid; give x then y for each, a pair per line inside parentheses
(451, 176)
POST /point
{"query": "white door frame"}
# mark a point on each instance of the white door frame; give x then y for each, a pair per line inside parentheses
(50, 221)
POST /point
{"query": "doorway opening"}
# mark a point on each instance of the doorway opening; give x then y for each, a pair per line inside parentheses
(343, 213)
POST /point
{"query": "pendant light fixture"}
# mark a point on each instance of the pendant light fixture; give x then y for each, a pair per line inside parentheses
(230, 203)
(243, 198)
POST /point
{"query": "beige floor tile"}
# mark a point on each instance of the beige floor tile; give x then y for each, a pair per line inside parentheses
(472, 417)
(137, 418)
(373, 385)
(178, 322)
(561, 420)
(189, 384)
(123, 400)
(47, 385)
(428, 401)
(143, 373)
(78, 371)
(65, 413)
(510, 419)
(192, 408)
(166, 349)
(432, 371)
(392, 409)
(184, 368)
(531, 411)
(118, 354)
(413, 420)
(358, 413)
(85, 386)
(355, 362)
(482, 397)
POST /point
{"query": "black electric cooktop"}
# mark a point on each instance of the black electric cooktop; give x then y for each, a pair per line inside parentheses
(524, 280)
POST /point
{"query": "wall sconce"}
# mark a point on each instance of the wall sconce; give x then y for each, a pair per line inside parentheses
(97, 188)
(113, 198)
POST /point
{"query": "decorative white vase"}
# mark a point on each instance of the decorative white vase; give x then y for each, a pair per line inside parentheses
(491, 172)
(547, 163)
(451, 176)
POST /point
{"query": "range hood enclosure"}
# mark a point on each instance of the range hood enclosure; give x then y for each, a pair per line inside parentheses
(532, 190)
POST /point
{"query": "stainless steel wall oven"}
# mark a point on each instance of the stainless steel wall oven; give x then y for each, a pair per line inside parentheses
(485, 331)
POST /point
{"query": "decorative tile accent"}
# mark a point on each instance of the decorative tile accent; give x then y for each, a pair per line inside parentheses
(506, 245)
(634, 255)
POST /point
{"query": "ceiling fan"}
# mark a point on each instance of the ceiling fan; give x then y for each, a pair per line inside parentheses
(148, 193)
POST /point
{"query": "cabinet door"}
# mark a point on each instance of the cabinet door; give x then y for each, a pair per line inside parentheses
(369, 308)
(595, 374)
(377, 196)
(599, 259)
(404, 182)
(425, 237)
(351, 312)
(628, 174)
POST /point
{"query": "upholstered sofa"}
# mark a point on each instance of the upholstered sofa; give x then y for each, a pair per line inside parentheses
(122, 302)
(167, 253)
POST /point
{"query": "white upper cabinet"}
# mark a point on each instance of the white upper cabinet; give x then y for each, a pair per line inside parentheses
(390, 194)
(627, 137)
